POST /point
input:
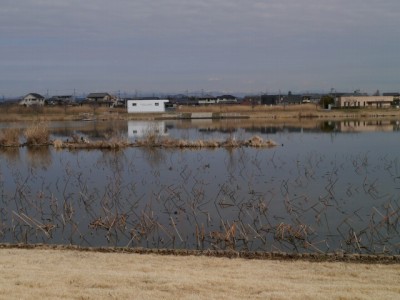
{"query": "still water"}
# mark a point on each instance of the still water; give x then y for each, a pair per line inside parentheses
(331, 186)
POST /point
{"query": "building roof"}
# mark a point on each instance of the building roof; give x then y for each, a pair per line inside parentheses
(230, 97)
(98, 95)
(38, 96)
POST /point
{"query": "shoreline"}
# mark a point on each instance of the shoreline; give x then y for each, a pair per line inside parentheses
(227, 112)
(338, 256)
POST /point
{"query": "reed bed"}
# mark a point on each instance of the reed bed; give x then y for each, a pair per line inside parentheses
(230, 142)
(37, 134)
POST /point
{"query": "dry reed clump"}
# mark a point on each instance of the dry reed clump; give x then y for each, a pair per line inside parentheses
(232, 142)
(9, 137)
(82, 143)
(290, 232)
(37, 134)
(58, 144)
(151, 137)
(150, 141)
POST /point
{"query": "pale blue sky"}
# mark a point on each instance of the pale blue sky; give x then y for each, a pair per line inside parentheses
(176, 45)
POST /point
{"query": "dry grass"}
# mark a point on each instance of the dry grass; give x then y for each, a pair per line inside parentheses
(37, 134)
(110, 144)
(55, 274)
(18, 113)
(154, 140)
(297, 111)
(9, 137)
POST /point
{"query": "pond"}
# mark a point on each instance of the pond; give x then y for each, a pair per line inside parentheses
(327, 186)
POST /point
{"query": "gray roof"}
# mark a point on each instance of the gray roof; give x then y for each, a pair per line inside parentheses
(38, 96)
(98, 95)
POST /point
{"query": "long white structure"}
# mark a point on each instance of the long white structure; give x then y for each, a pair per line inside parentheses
(365, 101)
(146, 106)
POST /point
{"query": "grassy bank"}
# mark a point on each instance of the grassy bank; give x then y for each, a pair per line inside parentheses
(299, 111)
(51, 274)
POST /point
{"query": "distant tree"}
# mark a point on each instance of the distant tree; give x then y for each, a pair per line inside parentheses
(377, 93)
(326, 100)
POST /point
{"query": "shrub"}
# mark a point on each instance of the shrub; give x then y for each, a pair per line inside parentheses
(58, 144)
(37, 134)
(9, 137)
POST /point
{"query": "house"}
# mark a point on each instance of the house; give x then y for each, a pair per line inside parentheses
(206, 100)
(226, 99)
(100, 98)
(271, 99)
(364, 101)
(32, 99)
(146, 105)
(281, 99)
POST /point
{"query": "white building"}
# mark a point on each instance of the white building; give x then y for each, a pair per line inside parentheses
(146, 106)
(365, 101)
(32, 99)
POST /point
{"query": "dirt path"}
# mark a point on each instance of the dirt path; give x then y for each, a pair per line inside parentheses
(69, 274)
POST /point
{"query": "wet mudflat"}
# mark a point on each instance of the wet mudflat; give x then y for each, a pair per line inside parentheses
(325, 188)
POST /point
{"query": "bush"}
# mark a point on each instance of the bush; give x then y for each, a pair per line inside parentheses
(37, 134)
(9, 137)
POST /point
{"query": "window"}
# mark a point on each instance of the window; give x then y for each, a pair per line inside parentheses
(133, 104)
(156, 104)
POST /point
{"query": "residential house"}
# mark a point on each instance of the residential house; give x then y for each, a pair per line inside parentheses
(206, 100)
(32, 99)
(101, 99)
(226, 99)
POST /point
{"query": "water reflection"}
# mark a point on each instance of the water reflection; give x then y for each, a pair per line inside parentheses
(38, 157)
(138, 129)
(368, 126)
(10, 153)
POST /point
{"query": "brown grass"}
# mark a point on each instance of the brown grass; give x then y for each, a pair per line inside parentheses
(9, 137)
(154, 140)
(37, 134)
(297, 111)
(111, 144)
(55, 274)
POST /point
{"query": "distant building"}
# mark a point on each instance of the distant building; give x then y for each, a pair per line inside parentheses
(32, 99)
(271, 99)
(146, 106)
(206, 100)
(281, 99)
(100, 98)
(365, 101)
(226, 99)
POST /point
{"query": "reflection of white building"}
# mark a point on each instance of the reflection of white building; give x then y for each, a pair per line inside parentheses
(146, 106)
(137, 129)
(365, 126)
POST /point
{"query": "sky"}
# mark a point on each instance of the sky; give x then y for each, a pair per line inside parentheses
(59, 47)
